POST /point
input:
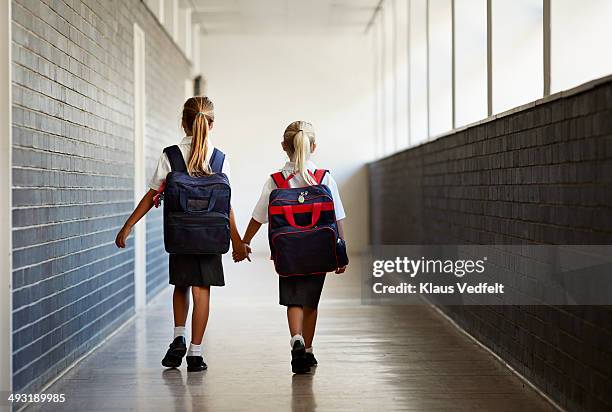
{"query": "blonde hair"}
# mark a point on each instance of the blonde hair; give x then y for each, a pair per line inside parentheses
(298, 139)
(198, 113)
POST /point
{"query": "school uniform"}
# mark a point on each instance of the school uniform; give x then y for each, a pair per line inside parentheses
(185, 269)
(304, 290)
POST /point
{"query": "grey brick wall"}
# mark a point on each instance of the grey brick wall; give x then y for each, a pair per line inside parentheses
(542, 175)
(73, 172)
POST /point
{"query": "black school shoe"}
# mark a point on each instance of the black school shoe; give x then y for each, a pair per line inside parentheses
(175, 353)
(196, 364)
(312, 361)
(299, 361)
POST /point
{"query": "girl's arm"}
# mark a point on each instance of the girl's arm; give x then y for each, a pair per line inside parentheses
(340, 224)
(145, 204)
(239, 249)
(251, 231)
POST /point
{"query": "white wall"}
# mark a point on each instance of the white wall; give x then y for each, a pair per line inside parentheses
(260, 84)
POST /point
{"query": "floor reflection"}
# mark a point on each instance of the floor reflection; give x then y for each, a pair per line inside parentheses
(303, 398)
(173, 379)
(370, 358)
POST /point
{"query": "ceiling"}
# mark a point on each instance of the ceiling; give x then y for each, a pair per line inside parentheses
(283, 16)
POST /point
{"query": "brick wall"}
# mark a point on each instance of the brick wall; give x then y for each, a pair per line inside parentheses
(539, 175)
(73, 172)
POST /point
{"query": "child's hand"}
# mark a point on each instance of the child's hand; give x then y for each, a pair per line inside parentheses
(340, 270)
(240, 252)
(122, 236)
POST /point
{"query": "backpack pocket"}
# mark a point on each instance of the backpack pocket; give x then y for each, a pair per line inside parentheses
(186, 233)
(207, 200)
(305, 251)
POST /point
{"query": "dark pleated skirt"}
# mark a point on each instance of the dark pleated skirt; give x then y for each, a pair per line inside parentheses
(300, 290)
(196, 270)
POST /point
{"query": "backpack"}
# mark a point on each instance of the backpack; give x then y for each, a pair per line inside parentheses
(302, 228)
(196, 209)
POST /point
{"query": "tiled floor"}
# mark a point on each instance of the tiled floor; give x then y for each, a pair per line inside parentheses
(371, 358)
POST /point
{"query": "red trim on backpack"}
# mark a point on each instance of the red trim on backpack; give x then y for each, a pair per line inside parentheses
(316, 214)
(278, 210)
(280, 180)
(319, 174)
(159, 196)
(283, 183)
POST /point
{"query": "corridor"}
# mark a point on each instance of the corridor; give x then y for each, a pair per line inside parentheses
(480, 125)
(371, 358)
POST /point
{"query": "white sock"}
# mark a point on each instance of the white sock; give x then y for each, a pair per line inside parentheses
(295, 338)
(194, 350)
(309, 350)
(179, 331)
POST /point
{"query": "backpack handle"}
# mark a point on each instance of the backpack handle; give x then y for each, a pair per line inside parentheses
(316, 214)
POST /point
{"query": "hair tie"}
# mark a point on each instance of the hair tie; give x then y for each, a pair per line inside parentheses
(201, 113)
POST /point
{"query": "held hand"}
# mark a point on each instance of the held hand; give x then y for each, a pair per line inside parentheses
(248, 250)
(340, 270)
(122, 236)
(240, 252)
(237, 255)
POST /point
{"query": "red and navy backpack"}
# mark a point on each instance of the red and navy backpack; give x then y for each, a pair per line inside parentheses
(302, 228)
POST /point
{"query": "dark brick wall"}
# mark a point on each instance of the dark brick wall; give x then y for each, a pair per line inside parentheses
(73, 172)
(541, 175)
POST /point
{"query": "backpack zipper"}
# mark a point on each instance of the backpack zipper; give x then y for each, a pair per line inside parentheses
(297, 201)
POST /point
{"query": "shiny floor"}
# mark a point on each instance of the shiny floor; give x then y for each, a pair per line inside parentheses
(371, 358)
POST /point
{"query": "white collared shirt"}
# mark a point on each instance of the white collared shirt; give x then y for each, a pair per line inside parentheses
(163, 165)
(260, 213)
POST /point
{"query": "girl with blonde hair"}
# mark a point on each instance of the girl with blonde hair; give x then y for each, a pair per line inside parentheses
(189, 271)
(300, 294)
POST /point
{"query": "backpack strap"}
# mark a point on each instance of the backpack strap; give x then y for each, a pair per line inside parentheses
(216, 160)
(280, 180)
(319, 175)
(283, 183)
(177, 163)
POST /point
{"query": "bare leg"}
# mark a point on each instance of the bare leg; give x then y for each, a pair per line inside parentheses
(310, 323)
(295, 317)
(180, 305)
(199, 317)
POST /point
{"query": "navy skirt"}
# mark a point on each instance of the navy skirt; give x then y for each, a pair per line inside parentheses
(196, 270)
(302, 290)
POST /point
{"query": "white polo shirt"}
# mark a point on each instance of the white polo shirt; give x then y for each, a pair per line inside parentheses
(163, 165)
(260, 213)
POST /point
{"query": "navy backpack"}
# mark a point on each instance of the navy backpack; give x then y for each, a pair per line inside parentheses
(196, 209)
(302, 228)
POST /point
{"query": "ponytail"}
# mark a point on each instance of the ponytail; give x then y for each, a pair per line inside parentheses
(199, 113)
(198, 166)
(301, 153)
(298, 138)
